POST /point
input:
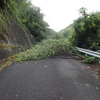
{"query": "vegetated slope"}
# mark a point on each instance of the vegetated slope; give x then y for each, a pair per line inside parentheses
(12, 34)
(21, 24)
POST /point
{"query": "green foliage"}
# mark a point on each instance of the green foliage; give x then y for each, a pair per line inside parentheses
(9, 9)
(46, 48)
(51, 34)
(69, 34)
(84, 32)
(12, 9)
(26, 14)
(87, 29)
(32, 18)
(90, 59)
(3, 26)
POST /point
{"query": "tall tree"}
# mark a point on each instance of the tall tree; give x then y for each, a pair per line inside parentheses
(87, 30)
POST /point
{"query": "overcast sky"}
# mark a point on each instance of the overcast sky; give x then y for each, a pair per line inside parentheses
(61, 13)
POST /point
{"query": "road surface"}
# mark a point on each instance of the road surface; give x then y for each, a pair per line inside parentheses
(51, 79)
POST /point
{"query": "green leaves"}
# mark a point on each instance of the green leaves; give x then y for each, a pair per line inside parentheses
(45, 49)
(87, 30)
(32, 18)
(27, 15)
(90, 59)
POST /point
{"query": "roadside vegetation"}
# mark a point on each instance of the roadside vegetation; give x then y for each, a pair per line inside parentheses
(45, 49)
(85, 33)
(26, 14)
(42, 50)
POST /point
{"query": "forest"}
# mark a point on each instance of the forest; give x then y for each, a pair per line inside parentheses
(41, 41)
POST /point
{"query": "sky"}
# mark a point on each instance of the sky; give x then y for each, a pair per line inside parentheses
(61, 13)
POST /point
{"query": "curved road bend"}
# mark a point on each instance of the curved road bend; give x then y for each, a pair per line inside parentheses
(51, 79)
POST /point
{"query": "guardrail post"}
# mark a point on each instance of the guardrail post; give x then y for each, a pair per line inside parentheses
(99, 67)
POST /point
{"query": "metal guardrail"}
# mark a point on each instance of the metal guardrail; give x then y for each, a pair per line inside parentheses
(89, 52)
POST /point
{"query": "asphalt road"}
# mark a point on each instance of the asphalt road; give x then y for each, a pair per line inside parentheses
(51, 79)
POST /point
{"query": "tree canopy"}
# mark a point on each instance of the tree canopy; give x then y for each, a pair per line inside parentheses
(28, 15)
(87, 29)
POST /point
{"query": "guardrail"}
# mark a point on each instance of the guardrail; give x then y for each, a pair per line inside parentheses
(89, 52)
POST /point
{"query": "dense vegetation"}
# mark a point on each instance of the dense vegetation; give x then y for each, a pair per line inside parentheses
(32, 18)
(69, 34)
(84, 32)
(45, 49)
(28, 15)
(87, 29)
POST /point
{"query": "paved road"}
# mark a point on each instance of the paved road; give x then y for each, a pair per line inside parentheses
(51, 79)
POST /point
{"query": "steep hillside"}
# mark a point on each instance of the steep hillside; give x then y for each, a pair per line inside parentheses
(21, 25)
(13, 38)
